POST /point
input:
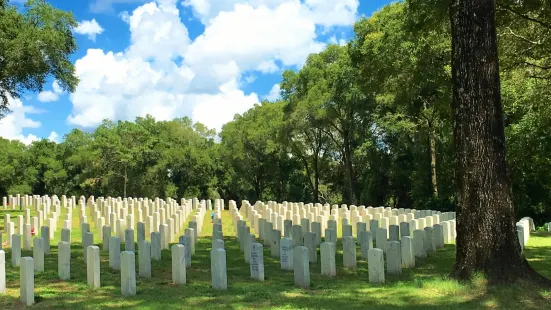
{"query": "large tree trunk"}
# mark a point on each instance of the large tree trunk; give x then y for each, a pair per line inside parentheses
(486, 233)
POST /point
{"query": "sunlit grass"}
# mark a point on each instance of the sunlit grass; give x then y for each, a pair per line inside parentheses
(426, 286)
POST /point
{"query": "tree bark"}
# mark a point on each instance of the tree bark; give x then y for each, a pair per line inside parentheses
(486, 232)
(432, 142)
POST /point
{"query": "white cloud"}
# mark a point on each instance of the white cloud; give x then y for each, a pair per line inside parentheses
(275, 93)
(323, 12)
(90, 28)
(11, 126)
(341, 41)
(57, 89)
(167, 75)
(157, 32)
(215, 110)
(47, 96)
(51, 95)
(54, 137)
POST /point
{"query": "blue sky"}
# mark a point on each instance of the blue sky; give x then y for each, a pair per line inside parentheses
(206, 59)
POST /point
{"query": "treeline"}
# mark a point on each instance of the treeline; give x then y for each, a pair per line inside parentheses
(366, 123)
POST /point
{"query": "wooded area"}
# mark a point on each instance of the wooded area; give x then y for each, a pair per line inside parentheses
(367, 123)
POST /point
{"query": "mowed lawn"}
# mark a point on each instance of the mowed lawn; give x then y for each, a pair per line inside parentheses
(424, 287)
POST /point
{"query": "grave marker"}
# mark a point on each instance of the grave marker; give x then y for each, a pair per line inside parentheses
(64, 260)
(26, 281)
(328, 262)
(218, 271)
(376, 265)
(178, 264)
(257, 262)
(286, 253)
(301, 266)
(128, 273)
(93, 266)
(144, 259)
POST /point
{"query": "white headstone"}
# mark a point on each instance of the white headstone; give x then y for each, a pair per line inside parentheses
(190, 233)
(16, 249)
(274, 242)
(87, 241)
(93, 266)
(115, 253)
(381, 238)
(429, 236)
(257, 262)
(45, 234)
(408, 257)
(394, 258)
(27, 237)
(418, 243)
(106, 237)
(218, 269)
(38, 254)
(328, 263)
(2, 272)
(301, 266)
(349, 252)
(310, 243)
(129, 240)
(178, 264)
(156, 246)
(64, 260)
(144, 257)
(376, 265)
(366, 243)
(128, 273)
(26, 281)
(286, 253)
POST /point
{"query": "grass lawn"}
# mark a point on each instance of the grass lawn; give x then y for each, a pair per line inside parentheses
(423, 287)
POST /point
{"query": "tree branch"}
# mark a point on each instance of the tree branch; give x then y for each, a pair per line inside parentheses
(519, 14)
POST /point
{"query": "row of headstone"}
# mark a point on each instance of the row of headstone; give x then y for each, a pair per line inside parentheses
(318, 218)
(36, 201)
(401, 246)
(117, 213)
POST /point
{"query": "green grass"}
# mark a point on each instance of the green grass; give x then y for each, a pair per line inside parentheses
(423, 287)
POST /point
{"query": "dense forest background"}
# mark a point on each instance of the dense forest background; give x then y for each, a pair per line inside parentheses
(366, 123)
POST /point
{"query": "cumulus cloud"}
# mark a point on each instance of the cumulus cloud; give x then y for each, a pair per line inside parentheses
(54, 137)
(11, 126)
(164, 73)
(50, 95)
(47, 96)
(275, 93)
(89, 28)
(322, 12)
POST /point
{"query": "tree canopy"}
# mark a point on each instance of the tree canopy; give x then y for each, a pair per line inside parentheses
(367, 123)
(35, 44)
